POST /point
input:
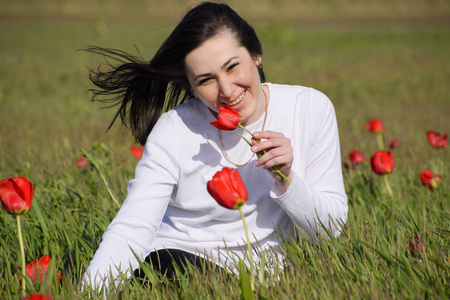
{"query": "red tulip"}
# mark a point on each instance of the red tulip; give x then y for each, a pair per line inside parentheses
(382, 162)
(414, 246)
(228, 188)
(227, 119)
(374, 125)
(40, 266)
(37, 297)
(81, 162)
(436, 140)
(345, 165)
(16, 195)
(137, 151)
(356, 157)
(430, 179)
(395, 144)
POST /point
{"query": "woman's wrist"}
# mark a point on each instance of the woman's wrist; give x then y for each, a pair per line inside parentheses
(281, 185)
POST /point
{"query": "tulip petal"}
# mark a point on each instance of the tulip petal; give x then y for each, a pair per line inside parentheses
(239, 185)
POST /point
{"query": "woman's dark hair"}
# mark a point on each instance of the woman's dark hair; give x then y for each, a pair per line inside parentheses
(144, 90)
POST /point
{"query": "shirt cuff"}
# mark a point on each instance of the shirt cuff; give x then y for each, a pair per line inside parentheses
(276, 194)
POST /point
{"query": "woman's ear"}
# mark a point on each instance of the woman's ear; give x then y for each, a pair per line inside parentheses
(257, 60)
(258, 63)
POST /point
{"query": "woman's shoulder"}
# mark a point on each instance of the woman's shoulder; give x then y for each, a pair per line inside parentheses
(299, 95)
(190, 116)
(191, 109)
(286, 88)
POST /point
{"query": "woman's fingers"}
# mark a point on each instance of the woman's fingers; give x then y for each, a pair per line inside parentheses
(275, 150)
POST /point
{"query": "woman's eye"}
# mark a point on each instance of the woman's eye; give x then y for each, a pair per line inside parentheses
(232, 66)
(203, 81)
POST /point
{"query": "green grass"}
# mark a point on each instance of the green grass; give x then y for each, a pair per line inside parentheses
(374, 60)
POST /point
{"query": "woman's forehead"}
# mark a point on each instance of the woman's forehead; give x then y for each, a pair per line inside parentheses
(215, 51)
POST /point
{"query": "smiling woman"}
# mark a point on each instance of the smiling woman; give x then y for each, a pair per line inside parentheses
(222, 72)
(211, 61)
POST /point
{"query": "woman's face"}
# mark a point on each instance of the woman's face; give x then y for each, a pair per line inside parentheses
(222, 72)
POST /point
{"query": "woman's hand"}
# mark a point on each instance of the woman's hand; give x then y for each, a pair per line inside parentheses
(278, 152)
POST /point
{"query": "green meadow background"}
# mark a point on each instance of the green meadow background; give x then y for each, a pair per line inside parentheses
(384, 59)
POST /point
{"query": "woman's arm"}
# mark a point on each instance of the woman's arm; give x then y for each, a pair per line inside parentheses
(135, 225)
(318, 195)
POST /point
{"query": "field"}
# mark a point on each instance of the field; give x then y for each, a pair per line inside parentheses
(373, 59)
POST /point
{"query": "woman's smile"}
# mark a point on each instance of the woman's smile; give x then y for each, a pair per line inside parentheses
(238, 99)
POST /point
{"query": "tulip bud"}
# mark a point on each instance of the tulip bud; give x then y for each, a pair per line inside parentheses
(228, 189)
(37, 297)
(375, 125)
(395, 144)
(16, 195)
(436, 140)
(39, 267)
(137, 151)
(356, 157)
(81, 162)
(414, 247)
(430, 179)
(382, 162)
(227, 119)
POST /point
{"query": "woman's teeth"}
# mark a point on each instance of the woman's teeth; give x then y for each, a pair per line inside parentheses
(238, 99)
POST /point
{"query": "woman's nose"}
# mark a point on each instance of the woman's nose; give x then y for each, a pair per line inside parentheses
(225, 88)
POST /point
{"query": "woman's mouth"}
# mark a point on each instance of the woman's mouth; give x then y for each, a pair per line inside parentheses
(238, 99)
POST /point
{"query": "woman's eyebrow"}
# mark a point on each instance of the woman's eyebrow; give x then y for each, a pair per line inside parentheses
(202, 75)
(228, 61)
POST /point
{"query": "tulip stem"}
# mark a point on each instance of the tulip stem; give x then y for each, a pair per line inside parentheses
(388, 186)
(94, 163)
(250, 255)
(380, 140)
(107, 187)
(22, 252)
(243, 127)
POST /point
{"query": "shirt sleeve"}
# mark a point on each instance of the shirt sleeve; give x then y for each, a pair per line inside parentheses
(319, 196)
(133, 229)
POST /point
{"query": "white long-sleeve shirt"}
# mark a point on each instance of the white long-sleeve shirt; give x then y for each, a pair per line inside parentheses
(168, 205)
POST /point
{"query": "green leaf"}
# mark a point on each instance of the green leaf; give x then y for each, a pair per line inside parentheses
(244, 282)
(148, 270)
(262, 268)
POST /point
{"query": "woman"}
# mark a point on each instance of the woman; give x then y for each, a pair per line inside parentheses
(212, 59)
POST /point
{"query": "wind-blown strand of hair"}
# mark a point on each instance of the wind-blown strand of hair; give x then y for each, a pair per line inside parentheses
(140, 89)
